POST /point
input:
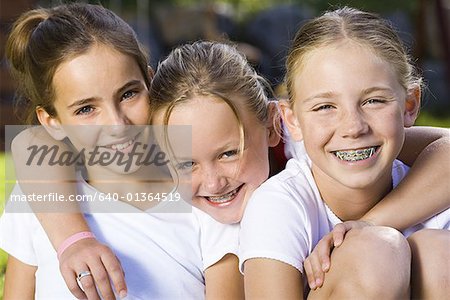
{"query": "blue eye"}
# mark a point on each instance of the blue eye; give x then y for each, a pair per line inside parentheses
(128, 95)
(230, 153)
(375, 101)
(85, 110)
(186, 165)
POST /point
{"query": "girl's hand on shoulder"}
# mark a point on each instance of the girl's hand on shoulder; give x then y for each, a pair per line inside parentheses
(104, 267)
(318, 262)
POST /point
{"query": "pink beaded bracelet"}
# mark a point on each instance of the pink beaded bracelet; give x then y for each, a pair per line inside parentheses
(72, 240)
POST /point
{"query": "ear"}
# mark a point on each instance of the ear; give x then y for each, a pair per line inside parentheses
(412, 106)
(50, 123)
(273, 125)
(290, 121)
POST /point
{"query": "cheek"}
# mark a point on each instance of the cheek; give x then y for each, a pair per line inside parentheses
(318, 133)
(196, 181)
(255, 167)
(85, 136)
(390, 123)
(141, 113)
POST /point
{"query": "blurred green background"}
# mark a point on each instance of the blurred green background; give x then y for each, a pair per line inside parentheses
(3, 193)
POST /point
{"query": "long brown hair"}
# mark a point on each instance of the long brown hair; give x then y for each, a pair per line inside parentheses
(42, 39)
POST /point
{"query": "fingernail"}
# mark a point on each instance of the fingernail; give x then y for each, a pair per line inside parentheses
(122, 294)
(312, 285)
(325, 267)
(318, 282)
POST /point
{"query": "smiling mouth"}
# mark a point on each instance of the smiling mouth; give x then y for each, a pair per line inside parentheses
(356, 155)
(122, 146)
(225, 197)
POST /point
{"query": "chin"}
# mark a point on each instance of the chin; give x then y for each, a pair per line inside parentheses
(120, 170)
(226, 217)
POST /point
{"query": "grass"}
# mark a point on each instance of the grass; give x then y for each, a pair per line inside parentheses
(5, 190)
(427, 119)
(3, 255)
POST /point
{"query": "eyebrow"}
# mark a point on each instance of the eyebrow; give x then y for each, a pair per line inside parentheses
(127, 85)
(320, 95)
(81, 102)
(120, 90)
(227, 147)
(219, 150)
(328, 95)
(376, 89)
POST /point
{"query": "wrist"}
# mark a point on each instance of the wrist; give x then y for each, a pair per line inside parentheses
(72, 240)
(369, 221)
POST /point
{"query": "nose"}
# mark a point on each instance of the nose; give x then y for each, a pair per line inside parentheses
(117, 121)
(213, 181)
(353, 124)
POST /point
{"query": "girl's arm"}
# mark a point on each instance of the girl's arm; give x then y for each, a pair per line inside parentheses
(42, 179)
(32, 155)
(422, 193)
(272, 279)
(223, 279)
(19, 280)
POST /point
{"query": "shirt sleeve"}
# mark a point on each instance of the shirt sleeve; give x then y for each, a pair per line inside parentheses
(216, 239)
(16, 236)
(275, 226)
(17, 228)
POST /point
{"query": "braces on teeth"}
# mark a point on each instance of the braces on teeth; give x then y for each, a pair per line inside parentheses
(223, 198)
(355, 155)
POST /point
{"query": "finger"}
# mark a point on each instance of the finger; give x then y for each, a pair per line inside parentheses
(116, 273)
(338, 234)
(309, 274)
(324, 254)
(70, 277)
(316, 267)
(100, 280)
(88, 285)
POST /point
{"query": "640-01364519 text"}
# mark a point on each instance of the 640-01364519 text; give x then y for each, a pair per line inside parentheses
(141, 197)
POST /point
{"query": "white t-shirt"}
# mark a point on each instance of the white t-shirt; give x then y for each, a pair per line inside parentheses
(164, 255)
(286, 217)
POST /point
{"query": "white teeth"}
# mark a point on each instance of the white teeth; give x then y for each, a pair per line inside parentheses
(223, 198)
(122, 146)
(355, 155)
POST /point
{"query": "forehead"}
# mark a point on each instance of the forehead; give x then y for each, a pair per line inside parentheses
(210, 109)
(94, 73)
(208, 116)
(340, 66)
(212, 121)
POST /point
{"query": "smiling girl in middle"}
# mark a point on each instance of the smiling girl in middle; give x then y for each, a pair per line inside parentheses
(211, 87)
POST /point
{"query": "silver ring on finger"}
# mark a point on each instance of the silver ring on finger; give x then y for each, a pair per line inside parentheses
(81, 275)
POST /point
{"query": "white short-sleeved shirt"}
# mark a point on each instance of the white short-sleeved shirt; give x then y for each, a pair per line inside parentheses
(286, 217)
(164, 255)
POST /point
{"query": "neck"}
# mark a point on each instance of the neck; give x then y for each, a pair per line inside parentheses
(349, 203)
